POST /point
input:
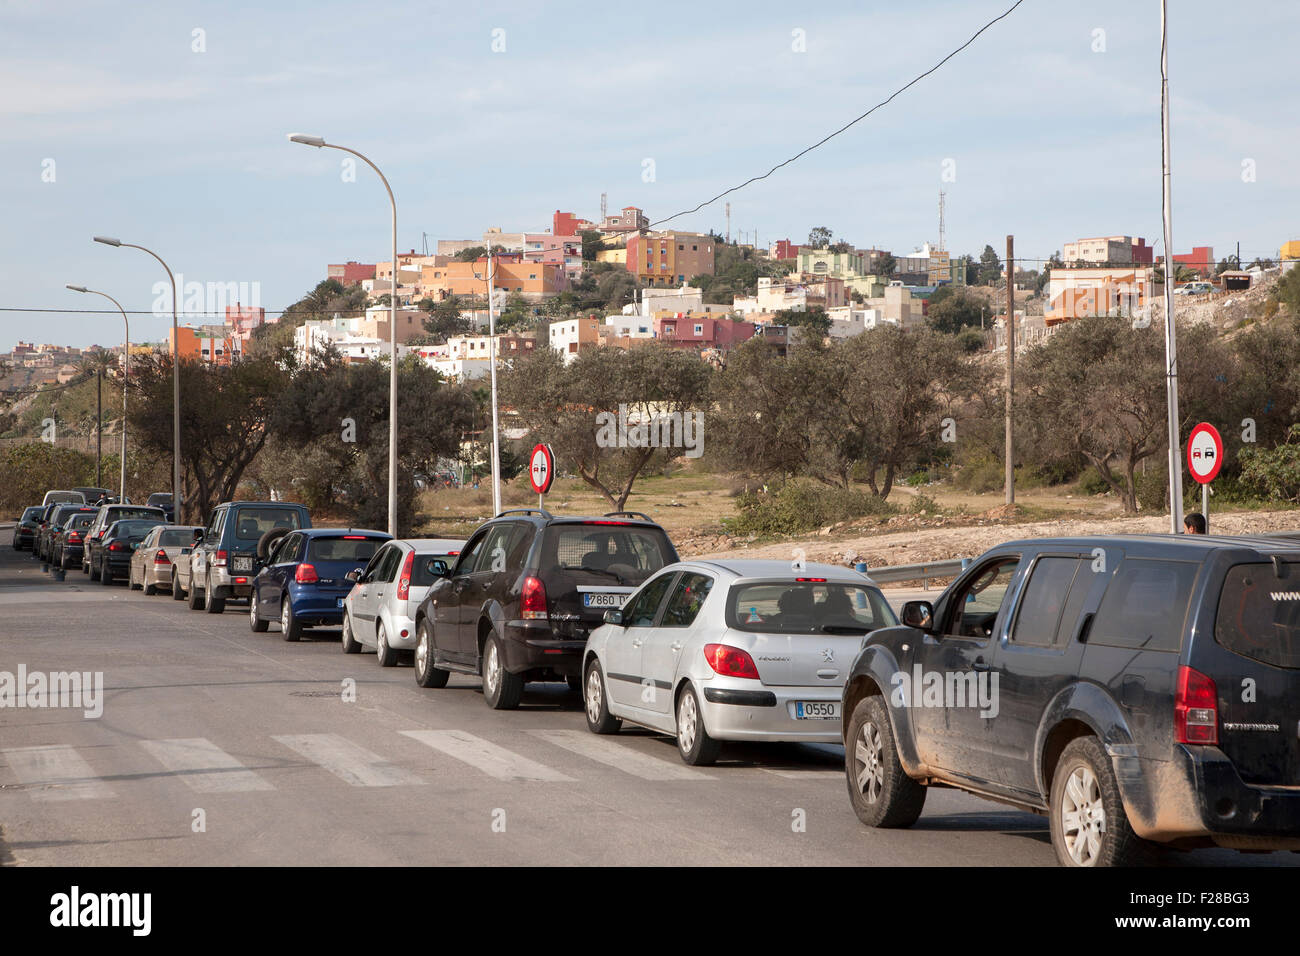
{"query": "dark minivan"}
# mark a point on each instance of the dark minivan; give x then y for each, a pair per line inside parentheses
(1137, 690)
(524, 593)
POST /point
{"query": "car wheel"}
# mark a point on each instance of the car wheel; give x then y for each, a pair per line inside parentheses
(693, 741)
(350, 644)
(882, 793)
(599, 719)
(1089, 825)
(212, 603)
(386, 655)
(177, 593)
(105, 573)
(255, 622)
(151, 589)
(130, 581)
(426, 675)
(501, 688)
(195, 596)
(290, 629)
(91, 571)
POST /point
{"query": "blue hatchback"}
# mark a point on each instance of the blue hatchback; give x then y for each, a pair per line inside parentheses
(305, 579)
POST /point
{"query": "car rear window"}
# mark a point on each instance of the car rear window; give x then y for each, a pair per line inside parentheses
(1145, 605)
(159, 500)
(629, 553)
(82, 520)
(343, 548)
(251, 523)
(119, 514)
(790, 607)
(33, 512)
(176, 537)
(133, 529)
(427, 568)
(1259, 613)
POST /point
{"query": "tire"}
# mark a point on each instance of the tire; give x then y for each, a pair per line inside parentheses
(882, 793)
(386, 656)
(255, 623)
(694, 744)
(290, 629)
(150, 589)
(177, 593)
(130, 582)
(596, 702)
(194, 595)
(501, 689)
(426, 675)
(91, 571)
(211, 603)
(1088, 822)
(350, 644)
(105, 573)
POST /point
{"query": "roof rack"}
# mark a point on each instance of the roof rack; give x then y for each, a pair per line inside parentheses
(526, 511)
(635, 514)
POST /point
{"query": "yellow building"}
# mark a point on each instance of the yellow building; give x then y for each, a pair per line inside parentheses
(616, 256)
(1290, 250)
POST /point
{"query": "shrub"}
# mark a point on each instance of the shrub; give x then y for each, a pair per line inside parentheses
(800, 506)
(983, 472)
(923, 503)
(1274, 472)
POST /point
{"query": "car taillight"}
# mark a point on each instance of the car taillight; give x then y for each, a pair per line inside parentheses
(1196, 714)
(161, 558)
(532, 605)
(730, 661)
(306, 574)
(116, 546)
(404, 582)
(73, 537)
(220, 559)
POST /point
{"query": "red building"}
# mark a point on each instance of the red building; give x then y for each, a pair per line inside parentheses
(350, 273)
(785, 249)
(1143, 255)
(701, 332)
(567, 224)
(1200, 260)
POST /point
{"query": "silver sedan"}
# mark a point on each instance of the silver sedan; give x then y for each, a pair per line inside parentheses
(154, 561)
(732, 650)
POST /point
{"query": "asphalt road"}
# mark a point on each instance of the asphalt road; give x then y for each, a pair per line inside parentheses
(222, 747)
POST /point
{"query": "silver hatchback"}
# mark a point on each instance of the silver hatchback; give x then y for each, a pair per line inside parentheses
(378, 611)
(732, 650)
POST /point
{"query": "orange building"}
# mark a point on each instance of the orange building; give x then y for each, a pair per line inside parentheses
(533, 280)
(214, 344)
(670, 258)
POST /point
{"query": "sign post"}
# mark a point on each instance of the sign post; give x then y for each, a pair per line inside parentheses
(1204, 458)
(541, 470)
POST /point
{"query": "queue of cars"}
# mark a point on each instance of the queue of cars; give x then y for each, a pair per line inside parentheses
(1138, 691)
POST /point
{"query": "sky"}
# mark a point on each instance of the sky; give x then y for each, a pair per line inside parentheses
(165, 125)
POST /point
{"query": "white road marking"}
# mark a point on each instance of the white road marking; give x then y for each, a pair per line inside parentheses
(59, 772)
(348, 761)
(488, 757)
(806, 774)
(619, 755)
(204, 766)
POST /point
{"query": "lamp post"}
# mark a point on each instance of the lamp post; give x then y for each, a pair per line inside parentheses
(177, 500)
(126, 375)
(320, 143)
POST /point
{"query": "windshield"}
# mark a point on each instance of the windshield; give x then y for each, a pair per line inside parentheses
(351, 548)
(251, 523)
(1259, 613)
(790, 607)
(623, 554)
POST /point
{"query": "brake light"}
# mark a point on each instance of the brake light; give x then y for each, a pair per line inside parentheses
(219, 560)
(73, 537)
(817, 580)
(532, 605)
(452, 554)
(619, 523)
(730, 661)
(404, 582)
(116, 546)
(306, 574)
(161, 557)
(1196, 714)
(354, 537)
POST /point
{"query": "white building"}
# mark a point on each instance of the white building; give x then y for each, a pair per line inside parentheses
(631, 326)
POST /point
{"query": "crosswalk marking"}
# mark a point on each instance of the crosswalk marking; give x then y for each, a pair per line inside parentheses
(618, 755)
(204, 766)
(348, 761)
(59, 771)
(806, 774)
(488, 757)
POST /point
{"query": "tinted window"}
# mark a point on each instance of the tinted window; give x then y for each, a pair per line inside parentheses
(1044, 601)
(641, 611)
(501, 545)
(687, 599)
(1145, 605)
(975, 607)
(159, 500)
(133, 529)
(790, 607)
(629, 553)
(81, 521)
(470, 553)
(178, 537)
(388, 565)
(32, 512)
(1259, 613)
(251, 523)
(117, 514)
(428, 568)
(351, 548)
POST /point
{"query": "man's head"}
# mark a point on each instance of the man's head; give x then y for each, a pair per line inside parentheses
(1194, 523)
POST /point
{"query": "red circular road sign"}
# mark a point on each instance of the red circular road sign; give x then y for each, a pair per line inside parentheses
(1204, 452)
(541, 468)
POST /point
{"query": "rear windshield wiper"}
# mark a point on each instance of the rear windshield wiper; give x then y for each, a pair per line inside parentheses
(614, 574)
(845, 629)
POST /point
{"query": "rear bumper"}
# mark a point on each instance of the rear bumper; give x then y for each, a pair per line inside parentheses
(317, 607)
(532, 645)
(736, 709)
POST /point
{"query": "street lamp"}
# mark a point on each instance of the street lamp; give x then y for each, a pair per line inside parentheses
(177, 500)
(319, 142)
(126, 375)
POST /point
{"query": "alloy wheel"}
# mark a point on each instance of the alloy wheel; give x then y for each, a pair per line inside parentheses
(1083, 816)
(595, 694)
(688, 717)
(869, 761)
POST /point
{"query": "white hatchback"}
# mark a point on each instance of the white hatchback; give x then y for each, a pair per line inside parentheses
(378, 611)
(732, 650)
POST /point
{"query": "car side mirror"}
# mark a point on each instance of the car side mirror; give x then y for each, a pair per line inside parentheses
(198, 535)
(615, 617)
(918, 614)
(354, 575)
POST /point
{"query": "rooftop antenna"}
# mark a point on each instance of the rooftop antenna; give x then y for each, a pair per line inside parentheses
(728, 223)
(941, 246)
(603, 213)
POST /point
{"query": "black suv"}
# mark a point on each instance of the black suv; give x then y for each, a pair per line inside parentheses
(525, 591)
(1136, 690)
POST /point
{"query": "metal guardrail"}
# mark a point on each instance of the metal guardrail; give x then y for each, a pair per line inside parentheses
(913, 572)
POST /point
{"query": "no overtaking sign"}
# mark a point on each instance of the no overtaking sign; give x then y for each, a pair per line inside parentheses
(541, 468)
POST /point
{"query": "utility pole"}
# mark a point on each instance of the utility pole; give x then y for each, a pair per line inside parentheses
(728, 223)
(1011, 364)
(99, 427)
(1171, 342)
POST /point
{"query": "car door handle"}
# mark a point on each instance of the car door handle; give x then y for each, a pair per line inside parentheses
(677, 645)
(979, 665)
(636, 642)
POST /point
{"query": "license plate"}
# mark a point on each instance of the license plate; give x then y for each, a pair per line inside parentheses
(243, 564)
(340, 601)
(603, 599)
(817, 710)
